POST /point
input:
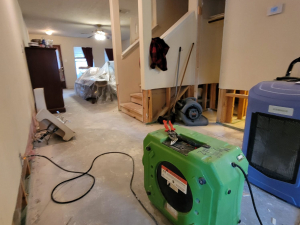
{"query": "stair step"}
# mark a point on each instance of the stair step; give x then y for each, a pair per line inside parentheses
(133, 110)
(137, 98)
(137, 95)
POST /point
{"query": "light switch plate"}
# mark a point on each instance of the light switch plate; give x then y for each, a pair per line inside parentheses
(276, 9)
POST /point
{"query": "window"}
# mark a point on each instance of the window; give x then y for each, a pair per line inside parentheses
(80, 61)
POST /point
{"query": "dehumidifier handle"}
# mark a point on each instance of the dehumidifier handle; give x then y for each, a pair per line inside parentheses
(288, 72)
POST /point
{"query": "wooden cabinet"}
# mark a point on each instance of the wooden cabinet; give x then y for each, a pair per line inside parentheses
(44, 73)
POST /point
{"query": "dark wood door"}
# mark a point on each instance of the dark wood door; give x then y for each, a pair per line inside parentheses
(43, 69)
(60, 66)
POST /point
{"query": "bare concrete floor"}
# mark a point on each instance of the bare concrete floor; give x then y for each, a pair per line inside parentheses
(101, 128)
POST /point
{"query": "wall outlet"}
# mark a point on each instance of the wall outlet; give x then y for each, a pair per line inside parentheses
(277, 9)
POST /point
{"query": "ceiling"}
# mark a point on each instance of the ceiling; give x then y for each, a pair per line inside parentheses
(75, 18)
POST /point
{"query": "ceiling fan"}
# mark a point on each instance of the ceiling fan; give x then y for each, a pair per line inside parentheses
(100, 34)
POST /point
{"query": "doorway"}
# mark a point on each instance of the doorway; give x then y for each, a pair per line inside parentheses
(60, 66)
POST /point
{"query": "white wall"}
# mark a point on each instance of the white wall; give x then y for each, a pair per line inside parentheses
(17, 105)
(210, 44)
(67, 47)
(183, 33)
(210, 50)
(125, 44)
(129, 80)
(257, 47)
(134, 29)
(168, 12)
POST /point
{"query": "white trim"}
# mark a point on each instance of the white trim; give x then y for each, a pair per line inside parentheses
(130, 49)
(177, 25)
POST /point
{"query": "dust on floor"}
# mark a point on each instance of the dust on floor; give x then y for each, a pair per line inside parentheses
(101, 128)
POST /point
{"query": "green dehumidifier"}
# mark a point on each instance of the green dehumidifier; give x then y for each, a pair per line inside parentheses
(192, 181)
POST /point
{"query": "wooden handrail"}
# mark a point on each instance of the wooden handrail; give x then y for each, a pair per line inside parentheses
(134, 45)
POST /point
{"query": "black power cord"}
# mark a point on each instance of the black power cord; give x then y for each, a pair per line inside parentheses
(246, 177)
(87, 173)
(50, 133)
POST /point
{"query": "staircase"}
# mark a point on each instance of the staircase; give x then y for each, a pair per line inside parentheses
(134, 108)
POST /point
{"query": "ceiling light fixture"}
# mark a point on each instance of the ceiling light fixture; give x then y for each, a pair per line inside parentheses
(100, 36)
(49, 32)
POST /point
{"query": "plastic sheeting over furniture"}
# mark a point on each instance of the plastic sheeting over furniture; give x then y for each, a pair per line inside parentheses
(97, 83)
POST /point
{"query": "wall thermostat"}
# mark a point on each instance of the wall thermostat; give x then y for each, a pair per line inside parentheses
(277, 9)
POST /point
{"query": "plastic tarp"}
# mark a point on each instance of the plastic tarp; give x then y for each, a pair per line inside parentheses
(97, 82)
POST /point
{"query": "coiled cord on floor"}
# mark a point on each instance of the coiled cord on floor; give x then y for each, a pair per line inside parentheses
(87, 173)
(250, 189)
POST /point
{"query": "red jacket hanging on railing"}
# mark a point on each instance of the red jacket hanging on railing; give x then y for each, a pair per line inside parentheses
(158, 52)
